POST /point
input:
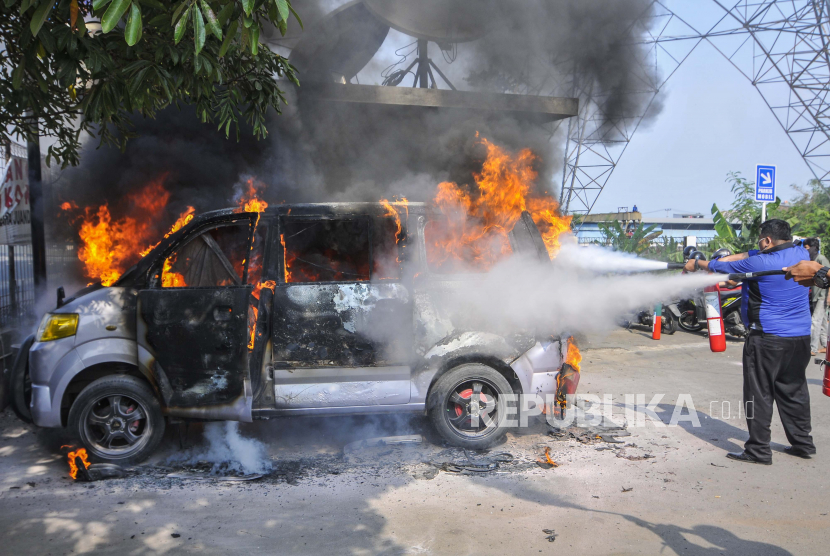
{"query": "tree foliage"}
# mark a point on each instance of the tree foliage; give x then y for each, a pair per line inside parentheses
(60, 73)
(809, 213)
(744, 210)
(637, 242)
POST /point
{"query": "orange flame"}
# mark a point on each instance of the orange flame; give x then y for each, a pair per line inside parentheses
(269, 284)
(110, 246)
(477, 221)
(574, 358)
(73, 467)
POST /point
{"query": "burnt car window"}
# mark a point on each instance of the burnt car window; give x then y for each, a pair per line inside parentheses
(451, 249)
(387, 234)
(214, 258)
(325, 250)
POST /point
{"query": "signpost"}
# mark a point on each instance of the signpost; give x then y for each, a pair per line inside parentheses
(764, 187)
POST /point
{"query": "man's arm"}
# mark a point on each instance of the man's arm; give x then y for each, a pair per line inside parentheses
(740, 262)
(803, 272)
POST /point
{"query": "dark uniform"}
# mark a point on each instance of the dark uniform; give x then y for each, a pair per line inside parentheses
(776, 312)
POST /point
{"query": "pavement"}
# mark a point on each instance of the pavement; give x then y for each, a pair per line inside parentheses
(664, 489)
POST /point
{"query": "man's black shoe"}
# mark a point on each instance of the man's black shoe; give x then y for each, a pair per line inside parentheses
(743, 456)
(799, 453)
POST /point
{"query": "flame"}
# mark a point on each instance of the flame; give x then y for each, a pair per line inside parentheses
(478, 220)
(574, 358)
(110, 246)
(548, 459)
(73, 467)
(269, 284)
(391, 212)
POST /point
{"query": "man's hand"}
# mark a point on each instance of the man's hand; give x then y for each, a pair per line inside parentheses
(803, 272)
(690, 266)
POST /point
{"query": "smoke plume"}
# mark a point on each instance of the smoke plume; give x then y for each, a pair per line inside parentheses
(227, 450)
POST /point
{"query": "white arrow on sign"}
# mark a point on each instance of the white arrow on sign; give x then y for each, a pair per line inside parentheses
(766, 178)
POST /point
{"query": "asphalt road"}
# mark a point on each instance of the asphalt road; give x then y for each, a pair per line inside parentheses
(667, 490)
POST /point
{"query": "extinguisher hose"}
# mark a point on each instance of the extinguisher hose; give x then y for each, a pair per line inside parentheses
(748, 275)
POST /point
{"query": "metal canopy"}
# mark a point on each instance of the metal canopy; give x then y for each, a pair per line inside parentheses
(539, 109)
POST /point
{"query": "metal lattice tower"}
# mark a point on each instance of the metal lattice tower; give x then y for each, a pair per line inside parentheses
(595, 141)
(780, 46)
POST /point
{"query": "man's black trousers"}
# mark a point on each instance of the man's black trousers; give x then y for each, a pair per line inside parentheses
(775, 370)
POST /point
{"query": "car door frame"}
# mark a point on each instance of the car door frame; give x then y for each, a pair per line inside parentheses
(238, 406)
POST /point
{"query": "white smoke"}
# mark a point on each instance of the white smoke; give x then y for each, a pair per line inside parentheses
(601, 260)
(523, 294)
(227, 450)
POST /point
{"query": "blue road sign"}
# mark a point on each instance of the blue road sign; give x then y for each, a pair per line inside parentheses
(765, 183)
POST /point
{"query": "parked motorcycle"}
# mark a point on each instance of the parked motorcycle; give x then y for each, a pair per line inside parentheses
(668, 324)
(692, 312)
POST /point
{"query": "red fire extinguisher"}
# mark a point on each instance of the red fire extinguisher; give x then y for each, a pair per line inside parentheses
(826, 388)
(657, 322)
(717, 334)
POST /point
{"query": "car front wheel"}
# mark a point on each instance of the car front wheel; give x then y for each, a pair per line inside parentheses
(467, 406)
(117, 419)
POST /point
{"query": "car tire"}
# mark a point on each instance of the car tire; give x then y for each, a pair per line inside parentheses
(451, 410)
(20, 383)
(117, 419)
(669, 324)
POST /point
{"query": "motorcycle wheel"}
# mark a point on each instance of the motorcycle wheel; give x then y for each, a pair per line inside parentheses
(669, 324)
(688, 321)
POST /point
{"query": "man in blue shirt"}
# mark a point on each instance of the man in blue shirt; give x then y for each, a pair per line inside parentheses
(776, 354)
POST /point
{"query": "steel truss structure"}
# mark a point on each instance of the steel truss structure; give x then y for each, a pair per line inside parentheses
(780, 46)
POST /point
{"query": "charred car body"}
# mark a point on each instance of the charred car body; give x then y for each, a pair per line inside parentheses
(321, 309)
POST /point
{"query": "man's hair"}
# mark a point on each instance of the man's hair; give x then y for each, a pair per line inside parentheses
(811, 242)
(776, 229)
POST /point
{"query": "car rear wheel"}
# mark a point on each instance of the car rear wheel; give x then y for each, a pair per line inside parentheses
(467, 406)
(117, 419)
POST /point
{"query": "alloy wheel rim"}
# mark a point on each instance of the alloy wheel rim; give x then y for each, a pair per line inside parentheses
(116, 425)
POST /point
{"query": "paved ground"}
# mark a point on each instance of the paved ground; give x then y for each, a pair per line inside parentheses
(667, 490)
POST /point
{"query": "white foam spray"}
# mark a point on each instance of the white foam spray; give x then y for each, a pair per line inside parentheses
(601, 260)
(227, 450)
(523, 294)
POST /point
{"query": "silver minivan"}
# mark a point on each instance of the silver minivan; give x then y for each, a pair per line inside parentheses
(315, 309)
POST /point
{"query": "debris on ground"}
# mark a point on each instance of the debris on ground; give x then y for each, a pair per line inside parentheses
(590, 435)
(551, 534)
(195, 476)
(627, 489)
(409, 439)
(98, 472)
(473, 466)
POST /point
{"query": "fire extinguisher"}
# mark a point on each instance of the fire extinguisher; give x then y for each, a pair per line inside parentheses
(657, 321)
(826, 388)
(714, 319)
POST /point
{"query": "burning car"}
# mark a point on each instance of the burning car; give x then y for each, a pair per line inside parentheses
(315, 309)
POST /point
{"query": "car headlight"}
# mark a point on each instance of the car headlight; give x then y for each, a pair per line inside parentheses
(55, 326)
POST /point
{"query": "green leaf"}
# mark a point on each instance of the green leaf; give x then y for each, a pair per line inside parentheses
(722, 226)
(18, 73)
(178, 33)
(283, 27)
(225, 13)
(154, 4)
(40, 15)
(247, 21)
(198, 29)
(132, 32)
(24, 7)
(229, 36)
(282, 8)
(247, 6)
(212, 21)
(113, 15)
(98, 4)
(255, 39)
(177, 11)
(296, 16)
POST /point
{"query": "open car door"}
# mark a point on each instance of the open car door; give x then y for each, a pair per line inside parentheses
(193, 321)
